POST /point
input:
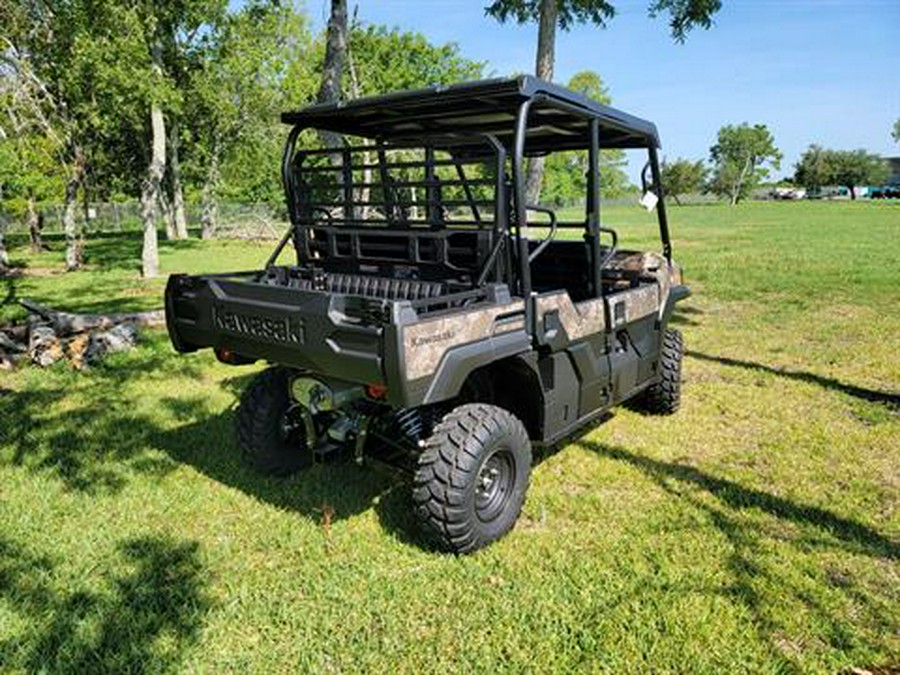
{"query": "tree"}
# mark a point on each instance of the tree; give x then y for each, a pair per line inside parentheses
(682, 176)
(390, 59)
(335, 60)
(819, 166)
(88, 66)
(815, 168)
(249, 74)
(37, 75)
(739, 159)
(852, 168)
(565, 176)
(30, 178)
(684, 15)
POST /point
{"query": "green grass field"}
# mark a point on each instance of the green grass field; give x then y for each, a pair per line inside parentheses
(757, 531)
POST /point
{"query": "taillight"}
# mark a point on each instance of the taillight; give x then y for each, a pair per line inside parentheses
(376, 391)
(232, 358)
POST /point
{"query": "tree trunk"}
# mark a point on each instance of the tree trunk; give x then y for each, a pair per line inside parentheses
(362, 194)
(738, 186)
(546, 55)
(150, 192)
(165, 210)
(178, 214)
(210, 208)
(66, 323)
(852, 189)
(152, 181)
(335, 56)
(4, 256)
(74, 253)
(35, 224)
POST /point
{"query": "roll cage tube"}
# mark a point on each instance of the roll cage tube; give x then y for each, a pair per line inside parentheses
(661, 204)
(593, 209)
(592, 225)
(519, 194)
(288, 193)
(495, 263)
(287, 179)
(655, 183)
(544, 244)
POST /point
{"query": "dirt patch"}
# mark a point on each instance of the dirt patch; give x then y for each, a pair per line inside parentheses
(43, 271)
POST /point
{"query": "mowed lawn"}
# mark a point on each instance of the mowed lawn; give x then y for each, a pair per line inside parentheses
(756, 531)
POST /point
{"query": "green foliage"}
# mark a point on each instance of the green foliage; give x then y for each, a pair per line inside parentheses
(590, 84)
(681, 177)
(570, 12)
(815, 168)
(29, 172)
(386, 60)
(819, 166)
(741, 159)
(858, 167)
(684, 15)
(565, 173)
(246, 72)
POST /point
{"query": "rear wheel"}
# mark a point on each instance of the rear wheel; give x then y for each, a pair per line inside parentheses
(664, 397)
(472, 476)
(270, 426)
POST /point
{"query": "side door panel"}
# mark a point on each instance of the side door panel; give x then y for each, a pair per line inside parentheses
(575, 336)
(634, 336)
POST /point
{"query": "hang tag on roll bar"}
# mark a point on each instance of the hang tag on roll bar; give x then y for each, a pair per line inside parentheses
(649, 200)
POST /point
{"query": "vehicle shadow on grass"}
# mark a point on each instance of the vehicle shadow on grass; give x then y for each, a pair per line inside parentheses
(892, 400)
(853, 536)
(78, 430)
(753, 566)
(326, 492)
(682, 315)
(150, 612)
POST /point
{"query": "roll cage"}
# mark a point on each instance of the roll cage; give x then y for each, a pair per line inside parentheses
(463, 148)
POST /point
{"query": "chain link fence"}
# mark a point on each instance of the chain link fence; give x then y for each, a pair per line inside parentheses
(234, 221)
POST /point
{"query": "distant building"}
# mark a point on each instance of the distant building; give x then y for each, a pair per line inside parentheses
(894, 164)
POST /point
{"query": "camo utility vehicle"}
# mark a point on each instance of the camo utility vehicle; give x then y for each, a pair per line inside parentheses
(421, 325)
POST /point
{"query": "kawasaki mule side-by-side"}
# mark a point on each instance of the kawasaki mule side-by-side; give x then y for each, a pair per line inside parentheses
(433, 319)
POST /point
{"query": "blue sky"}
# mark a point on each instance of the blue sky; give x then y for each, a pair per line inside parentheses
(814, 71)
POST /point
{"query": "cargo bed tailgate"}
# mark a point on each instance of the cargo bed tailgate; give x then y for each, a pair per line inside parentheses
(313, 330)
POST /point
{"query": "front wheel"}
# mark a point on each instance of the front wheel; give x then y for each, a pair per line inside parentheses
(664, 396)
(471, 477)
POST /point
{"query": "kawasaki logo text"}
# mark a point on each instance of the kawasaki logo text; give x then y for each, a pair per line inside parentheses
(265, 327)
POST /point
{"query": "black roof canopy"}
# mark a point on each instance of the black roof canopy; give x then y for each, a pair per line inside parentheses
(458, 114)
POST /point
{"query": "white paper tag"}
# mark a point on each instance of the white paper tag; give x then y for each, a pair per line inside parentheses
(649, 200)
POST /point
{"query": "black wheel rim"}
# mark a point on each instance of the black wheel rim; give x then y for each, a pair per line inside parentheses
(292, 430)
(494, 484)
